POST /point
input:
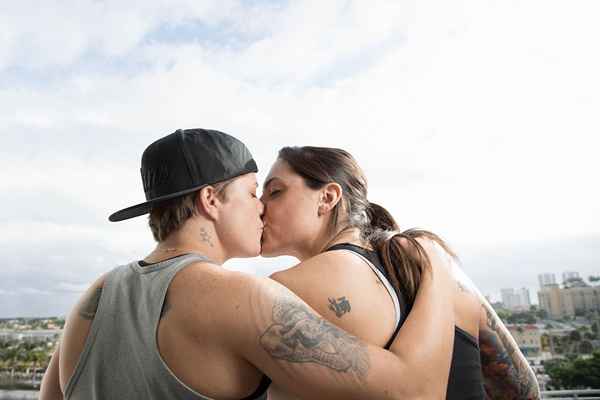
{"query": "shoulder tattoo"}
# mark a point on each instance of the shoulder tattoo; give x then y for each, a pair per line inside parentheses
(298, 335)
(339, 306)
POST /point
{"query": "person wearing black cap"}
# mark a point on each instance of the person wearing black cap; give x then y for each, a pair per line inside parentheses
(178, 325)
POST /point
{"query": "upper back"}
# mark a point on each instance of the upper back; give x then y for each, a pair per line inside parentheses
(143, 339)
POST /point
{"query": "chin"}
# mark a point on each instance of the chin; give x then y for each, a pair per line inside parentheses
(268, 251)
(248, 254)
(255, 252)
(265, 250)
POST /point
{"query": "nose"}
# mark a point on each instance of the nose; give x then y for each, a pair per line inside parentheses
(261, 208)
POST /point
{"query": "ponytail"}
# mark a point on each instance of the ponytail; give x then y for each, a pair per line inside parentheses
(403, 256)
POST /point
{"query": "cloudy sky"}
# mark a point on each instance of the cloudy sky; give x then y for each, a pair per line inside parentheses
(477, 119)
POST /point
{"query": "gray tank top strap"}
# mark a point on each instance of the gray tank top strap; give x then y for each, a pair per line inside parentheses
(120, 359)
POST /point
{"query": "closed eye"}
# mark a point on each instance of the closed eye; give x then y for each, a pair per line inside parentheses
(274, 193)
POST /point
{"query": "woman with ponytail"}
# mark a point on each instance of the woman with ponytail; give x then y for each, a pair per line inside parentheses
(361, 271)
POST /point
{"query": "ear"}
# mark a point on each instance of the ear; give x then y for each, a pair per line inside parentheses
(330, 195)
(208, 202)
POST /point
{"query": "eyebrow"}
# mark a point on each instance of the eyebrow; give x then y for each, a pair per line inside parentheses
(269, 181)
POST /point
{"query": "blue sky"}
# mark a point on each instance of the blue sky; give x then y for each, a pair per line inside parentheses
(475, 119)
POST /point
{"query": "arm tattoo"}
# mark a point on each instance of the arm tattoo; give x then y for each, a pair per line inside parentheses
(298, 335)
(340, 308)
(507, 374)
(90, 304)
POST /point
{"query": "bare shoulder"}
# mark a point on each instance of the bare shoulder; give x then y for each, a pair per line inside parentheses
(322, 266)
(207, 300)
(341, 287)
(330, 280)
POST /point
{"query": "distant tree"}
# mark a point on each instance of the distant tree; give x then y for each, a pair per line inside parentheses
(593, 278)
(504, 315)
(574, 373)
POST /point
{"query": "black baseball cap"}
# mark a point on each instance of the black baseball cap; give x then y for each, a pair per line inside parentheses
(186, 161)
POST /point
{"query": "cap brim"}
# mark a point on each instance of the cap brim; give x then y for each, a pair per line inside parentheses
(146, 207)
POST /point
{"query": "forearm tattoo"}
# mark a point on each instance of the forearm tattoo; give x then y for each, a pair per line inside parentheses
(507, 375)
(89, 306)
(298, 335)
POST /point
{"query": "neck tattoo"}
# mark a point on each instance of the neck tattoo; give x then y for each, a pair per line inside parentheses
(205, 237)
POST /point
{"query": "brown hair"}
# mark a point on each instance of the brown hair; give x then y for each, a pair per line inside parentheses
(402, 255)
(167, 217)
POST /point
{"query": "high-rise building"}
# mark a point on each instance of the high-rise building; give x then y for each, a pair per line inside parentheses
(524, 300)
(508, 298)
(546, 279)
(569, 301)
(584, 298)
(516, 300)
(555, 302)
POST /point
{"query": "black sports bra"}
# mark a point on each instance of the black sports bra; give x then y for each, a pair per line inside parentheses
(466, 378)
(374, 258)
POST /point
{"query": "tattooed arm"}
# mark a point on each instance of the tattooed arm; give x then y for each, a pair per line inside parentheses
(309, 357)
(507, 375)
(299, 335)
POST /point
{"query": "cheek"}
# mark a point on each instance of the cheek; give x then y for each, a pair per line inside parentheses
(288, 220)
(242, 224)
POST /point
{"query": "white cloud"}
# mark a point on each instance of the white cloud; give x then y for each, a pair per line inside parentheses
(38, 35)
(467, 117)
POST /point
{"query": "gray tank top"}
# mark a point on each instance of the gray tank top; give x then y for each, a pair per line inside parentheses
(120, 359)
